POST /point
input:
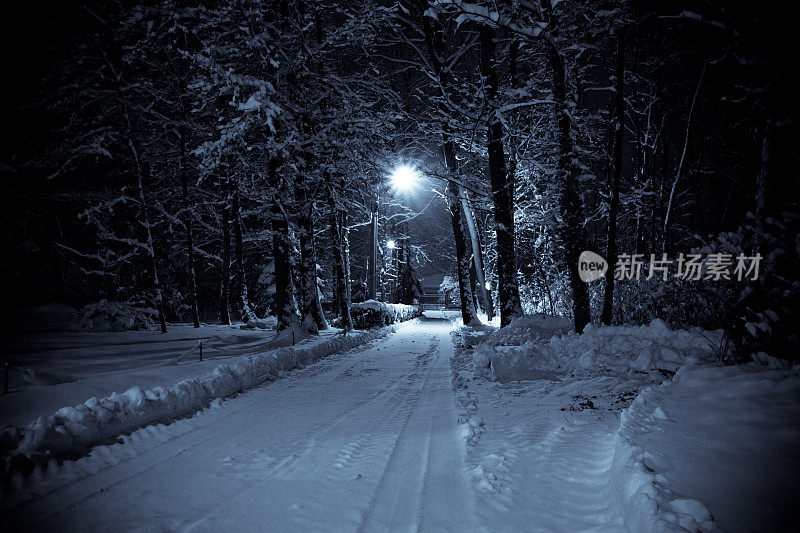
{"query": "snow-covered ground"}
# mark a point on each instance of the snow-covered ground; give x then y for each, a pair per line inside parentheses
(51, 370)
(621, 429)
(602, 434)
(367, 439)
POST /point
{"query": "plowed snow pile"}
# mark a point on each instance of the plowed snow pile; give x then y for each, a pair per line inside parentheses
(70, 430)
(639, 425)
(541, 345)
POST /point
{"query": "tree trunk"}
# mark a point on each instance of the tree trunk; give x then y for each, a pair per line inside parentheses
(284, 303)
(462, 259)
(477, 258)
(608, 296)
(338, 259)
(151, 251)
(247, 313)
(341, 259)
(345, 231)
(435, 44)
(310, 307)
(187, 222)
(762, 183)
(573, 232)
(679, 171)
(473, 282)
(188, 218)
(502, 189)
(341, 299)
(225, 298)
(139, 172)
(285, 310)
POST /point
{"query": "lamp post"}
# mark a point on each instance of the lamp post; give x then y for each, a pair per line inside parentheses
(391, 245)
(372, 277)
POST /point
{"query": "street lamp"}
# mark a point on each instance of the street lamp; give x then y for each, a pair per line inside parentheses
(404, 178)
(390, 244)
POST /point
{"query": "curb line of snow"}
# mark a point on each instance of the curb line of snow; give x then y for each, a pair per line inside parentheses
(72, 429)
(646, 504)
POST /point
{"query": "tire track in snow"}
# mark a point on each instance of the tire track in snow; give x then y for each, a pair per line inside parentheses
(151, 446)
(539, 465)
(423, 485)
(268, 458)
(378, 419)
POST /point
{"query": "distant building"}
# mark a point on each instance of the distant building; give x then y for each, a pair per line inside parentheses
(432, 296)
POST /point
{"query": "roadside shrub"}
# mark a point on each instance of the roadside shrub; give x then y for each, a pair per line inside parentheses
(373, 314)
(113, 316)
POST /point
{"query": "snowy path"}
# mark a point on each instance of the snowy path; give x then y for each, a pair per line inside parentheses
(366, 440)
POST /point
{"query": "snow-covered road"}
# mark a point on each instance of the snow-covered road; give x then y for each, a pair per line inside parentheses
(400, 434)
(366, 440)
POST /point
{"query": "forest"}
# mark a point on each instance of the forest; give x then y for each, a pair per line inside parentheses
(400, 265)
(226, 161)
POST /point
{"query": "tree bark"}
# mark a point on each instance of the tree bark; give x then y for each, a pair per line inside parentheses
(608, 295)
(462, 259)
(573, 232)
(473, 282)
(285, 310)
(477, 258)
(502, 188)
(139, 173)
(435, 44)
(341, 294)
(225, 298)
(247, 312)
(762, 183)
(345, 232)
(188, 218)
(151, 251)
(310, 306)
(372, 262)
(188, 223)
(679, 171)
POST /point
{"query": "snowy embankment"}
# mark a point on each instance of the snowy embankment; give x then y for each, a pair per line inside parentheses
(712, 446)
(71, 429)
(726, 436)
(538, 345)
(52, 369)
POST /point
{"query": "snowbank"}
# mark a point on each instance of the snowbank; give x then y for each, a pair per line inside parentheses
(72, 429)
(639, 487)
(373, 313)
(113, 316)
(530, 327)
(702, 447)
(523, 352)
(727, 435)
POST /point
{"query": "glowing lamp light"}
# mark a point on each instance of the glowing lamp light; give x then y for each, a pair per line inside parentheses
(390, 244)
(404, 178)
(488, 286)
